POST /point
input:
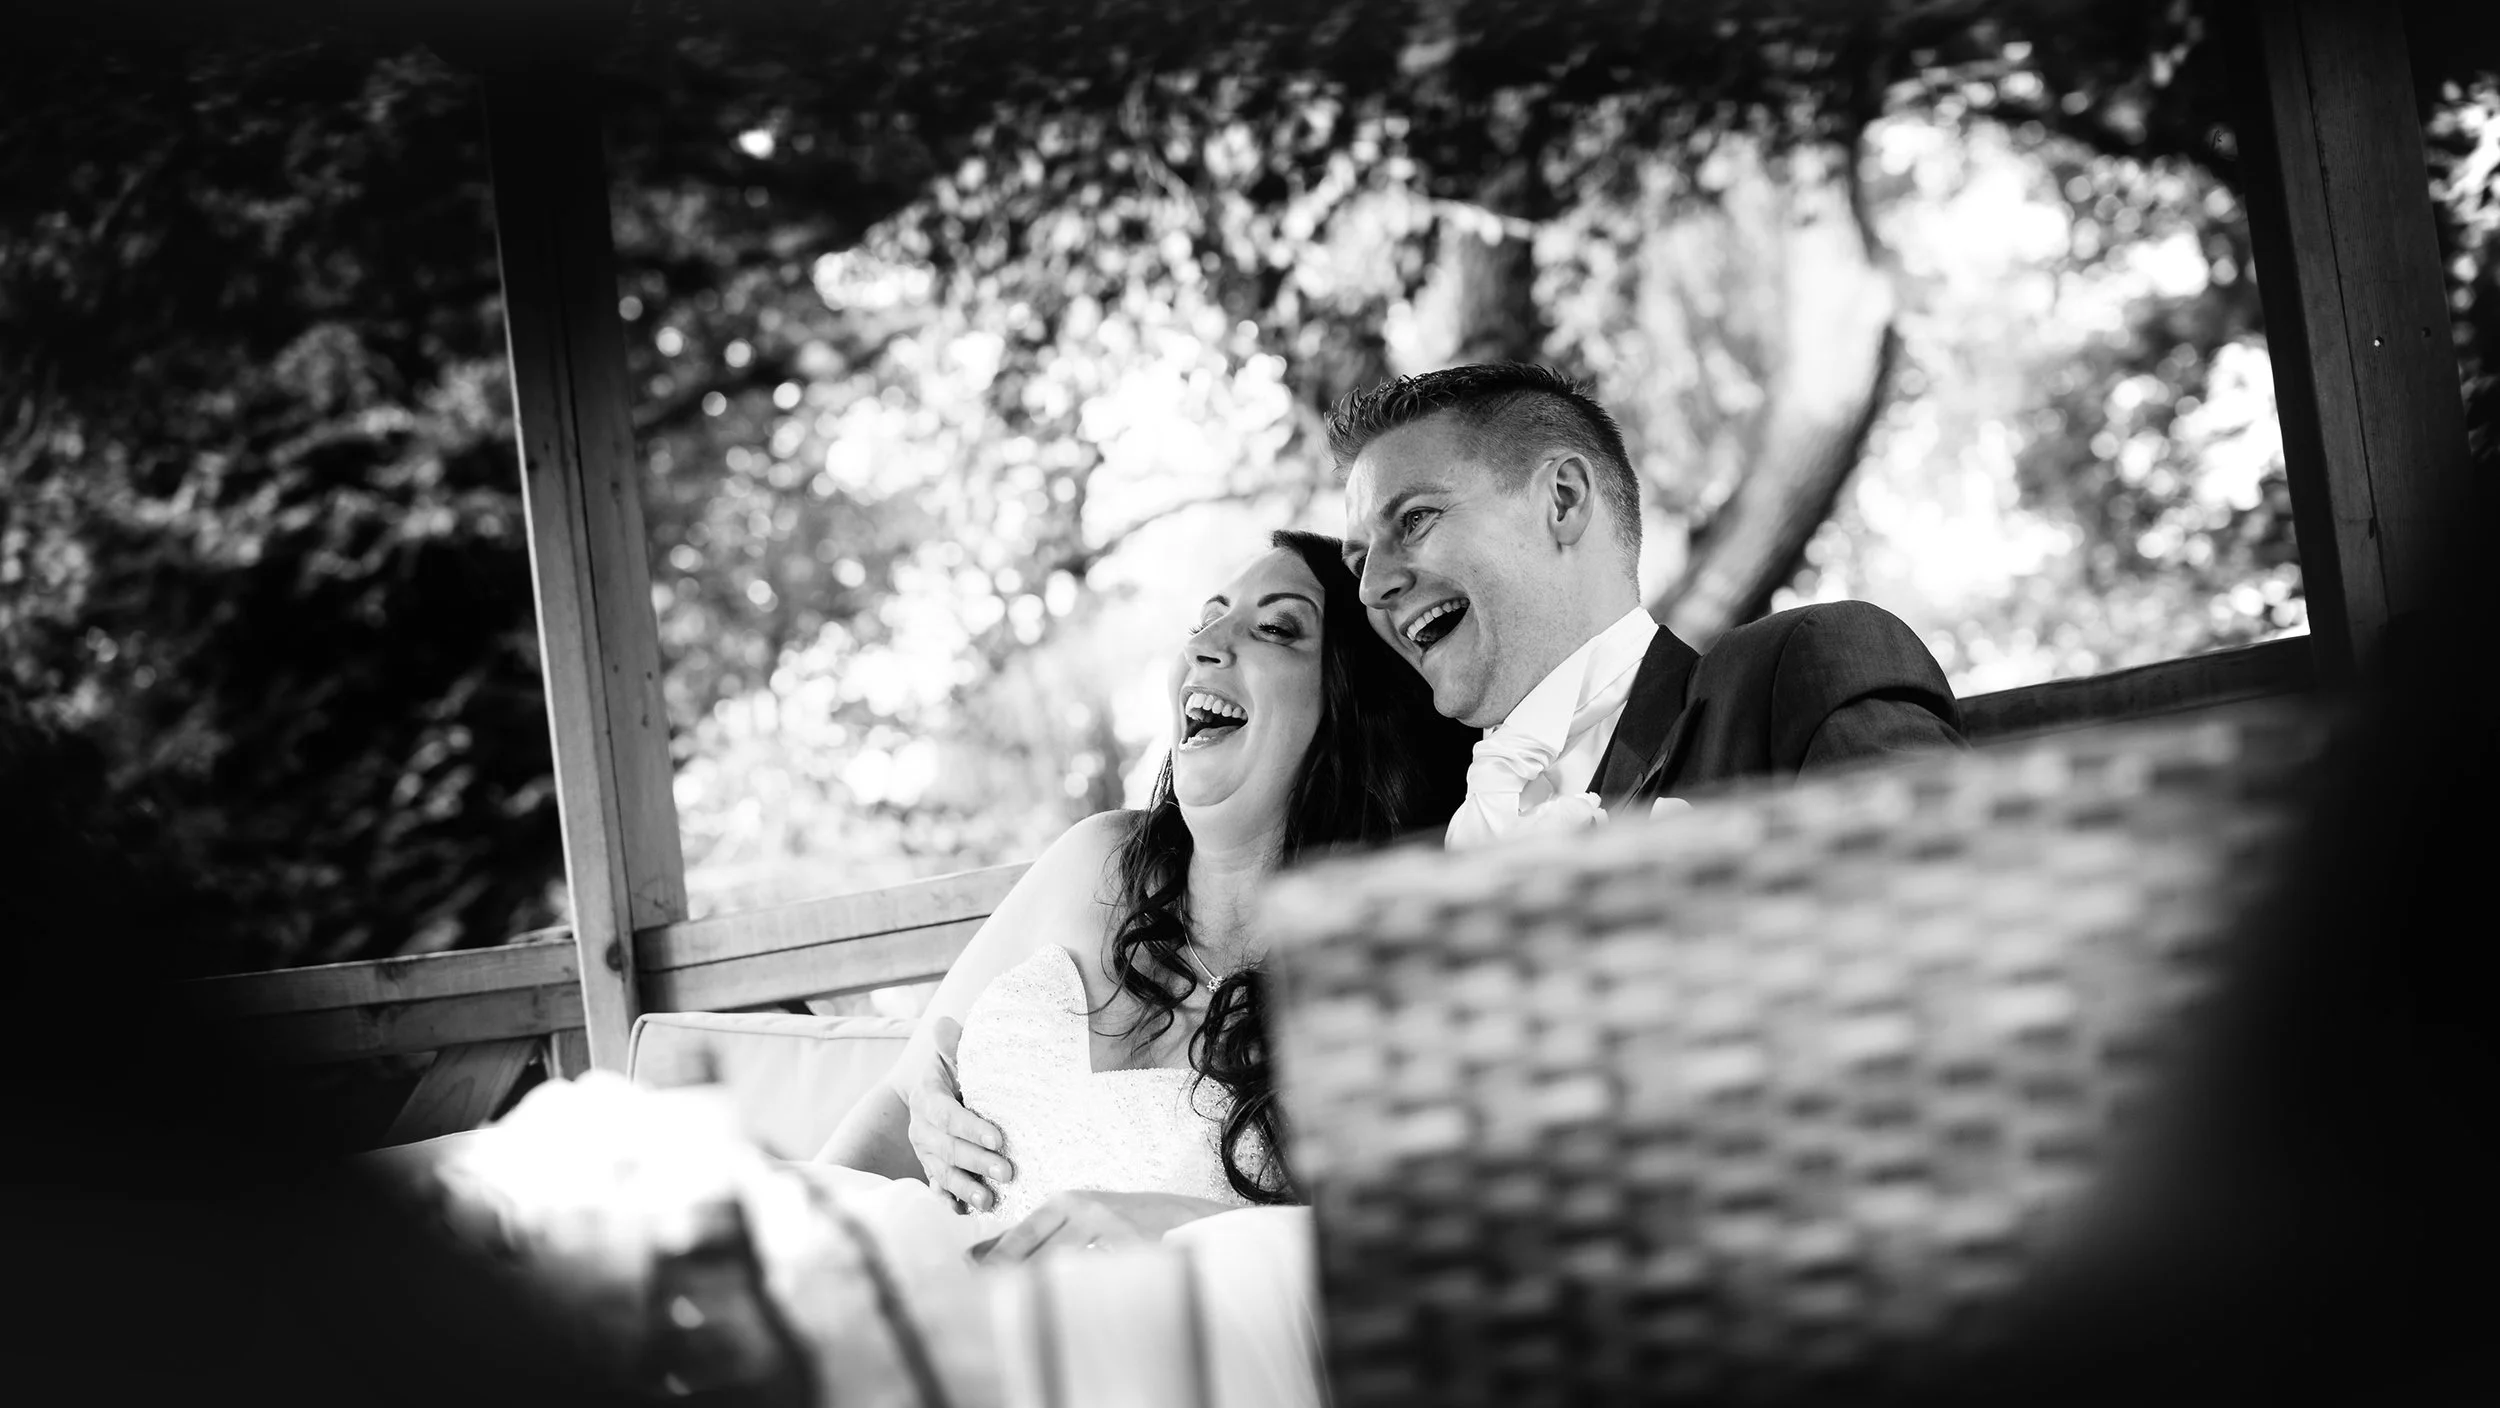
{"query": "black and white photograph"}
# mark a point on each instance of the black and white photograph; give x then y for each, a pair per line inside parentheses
(1288, 704)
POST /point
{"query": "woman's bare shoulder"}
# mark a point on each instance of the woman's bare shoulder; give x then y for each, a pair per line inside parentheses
(1065, 897)
(1082, 861)
(1105, 829)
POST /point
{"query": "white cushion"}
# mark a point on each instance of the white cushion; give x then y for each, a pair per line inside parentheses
(792, 1077)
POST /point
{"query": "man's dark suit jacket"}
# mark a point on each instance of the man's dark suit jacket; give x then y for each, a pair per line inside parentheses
(1811, 688)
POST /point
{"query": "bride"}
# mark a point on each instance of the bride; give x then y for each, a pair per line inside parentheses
(1107, 1025)
(1094, 1068)
(1113, 1067)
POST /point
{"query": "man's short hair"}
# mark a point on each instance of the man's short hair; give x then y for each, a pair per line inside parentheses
(1511, 412)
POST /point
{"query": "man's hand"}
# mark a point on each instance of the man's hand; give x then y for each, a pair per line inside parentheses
(957, 1149)
(1090, 1218)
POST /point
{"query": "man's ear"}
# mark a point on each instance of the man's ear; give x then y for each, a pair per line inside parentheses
(1567, 493)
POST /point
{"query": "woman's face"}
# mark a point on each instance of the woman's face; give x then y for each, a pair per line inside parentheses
(1246, 693)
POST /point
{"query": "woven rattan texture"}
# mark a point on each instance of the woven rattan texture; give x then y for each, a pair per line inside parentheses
(1786, 1089)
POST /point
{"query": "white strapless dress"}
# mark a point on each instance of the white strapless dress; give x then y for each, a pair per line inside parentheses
(1026, 1065)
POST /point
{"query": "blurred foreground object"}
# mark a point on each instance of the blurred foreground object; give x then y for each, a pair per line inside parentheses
(1219, 1314)
(714, 1335)
(2001, 1078)
(699, 1268)
(695, 1268)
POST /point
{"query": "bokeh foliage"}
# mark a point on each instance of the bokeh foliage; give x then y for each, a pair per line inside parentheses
(934, 309)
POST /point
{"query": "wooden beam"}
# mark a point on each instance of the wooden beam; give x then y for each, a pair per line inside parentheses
(375, 981)
(818, 970)
(2195, 682)
(947, 899)
(568, 1053)
(462, 1089)
(547, 957)
(2356, 311)
(845, 943)
(598, 641)
(403, 1028)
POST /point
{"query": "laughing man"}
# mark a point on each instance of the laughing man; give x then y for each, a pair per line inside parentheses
(1494, 522)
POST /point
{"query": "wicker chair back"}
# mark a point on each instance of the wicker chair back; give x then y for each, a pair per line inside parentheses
(1799, 1088)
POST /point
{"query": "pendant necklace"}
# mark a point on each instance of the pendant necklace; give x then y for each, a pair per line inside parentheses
(1189, 951)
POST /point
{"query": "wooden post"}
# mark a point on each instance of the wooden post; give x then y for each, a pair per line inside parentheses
(598, 640)
(2365, 372)
(568, 1053)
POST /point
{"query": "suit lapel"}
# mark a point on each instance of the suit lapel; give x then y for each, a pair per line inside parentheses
(1670, 754)
(1654, 720)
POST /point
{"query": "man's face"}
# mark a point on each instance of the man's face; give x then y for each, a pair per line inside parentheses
(1459, 573)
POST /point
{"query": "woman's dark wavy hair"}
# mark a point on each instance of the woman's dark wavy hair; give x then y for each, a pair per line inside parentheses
(1381, 763)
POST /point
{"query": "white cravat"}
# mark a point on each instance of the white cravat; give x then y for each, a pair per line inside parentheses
(1538, 762)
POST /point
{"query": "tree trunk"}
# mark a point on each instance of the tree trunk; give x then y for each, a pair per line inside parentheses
(1479, 304)
(1826, 358)
(1755, 544)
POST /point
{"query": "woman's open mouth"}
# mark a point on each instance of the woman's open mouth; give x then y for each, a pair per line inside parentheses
(1208, 718)
(1434, 623)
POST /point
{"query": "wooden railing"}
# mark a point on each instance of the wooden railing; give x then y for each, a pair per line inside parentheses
(818, 948)
(2204, 681)
(490, 1010)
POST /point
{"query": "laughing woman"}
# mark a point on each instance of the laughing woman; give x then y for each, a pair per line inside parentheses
(1093, 1070)
(1112, 1079)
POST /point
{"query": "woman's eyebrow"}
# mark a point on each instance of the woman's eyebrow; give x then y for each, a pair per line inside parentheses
(1273, 597)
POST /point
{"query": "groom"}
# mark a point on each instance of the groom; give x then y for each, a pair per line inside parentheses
(1493, 521)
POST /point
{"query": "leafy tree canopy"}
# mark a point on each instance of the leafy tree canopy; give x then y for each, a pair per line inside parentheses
(895, 276)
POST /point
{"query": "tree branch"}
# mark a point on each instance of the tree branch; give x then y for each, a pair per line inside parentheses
(31, 425)
(1866, 104)
(1084, 560)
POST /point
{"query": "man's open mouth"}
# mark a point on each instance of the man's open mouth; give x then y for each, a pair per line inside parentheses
(1208, 718)
(1435, 622)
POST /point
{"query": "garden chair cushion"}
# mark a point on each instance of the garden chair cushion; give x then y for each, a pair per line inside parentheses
(792, 1077)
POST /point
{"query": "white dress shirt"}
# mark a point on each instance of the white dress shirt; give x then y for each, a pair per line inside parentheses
(1550, 744)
